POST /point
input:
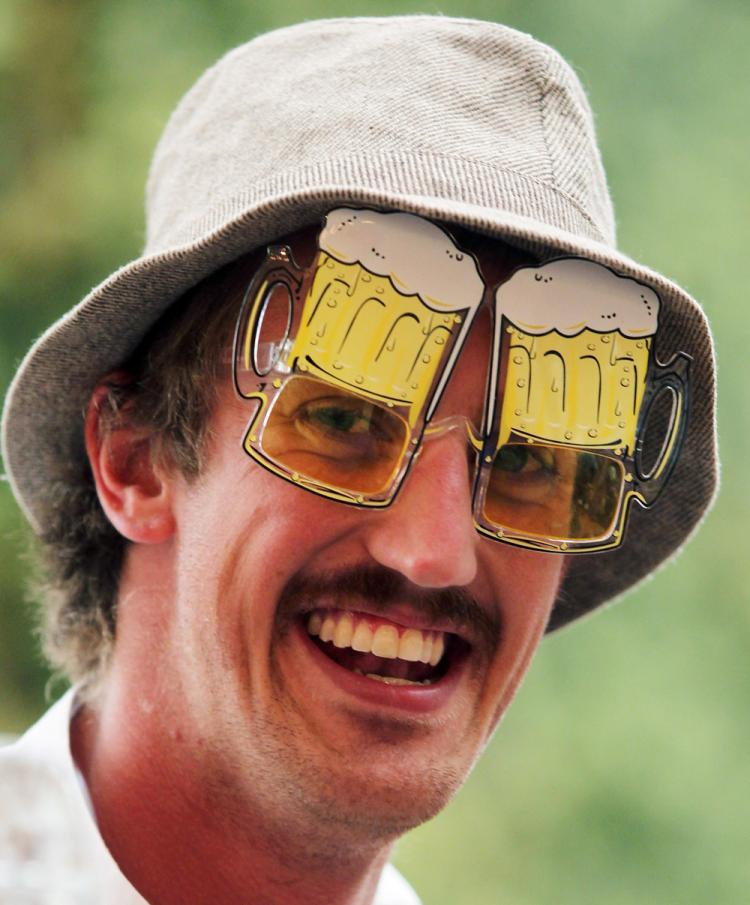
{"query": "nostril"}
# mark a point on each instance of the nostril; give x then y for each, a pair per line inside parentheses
(443, 565)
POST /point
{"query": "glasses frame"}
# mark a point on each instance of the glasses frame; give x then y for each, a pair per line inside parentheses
(281, 269)
(253, 446)
(640, 485)
(264, 365)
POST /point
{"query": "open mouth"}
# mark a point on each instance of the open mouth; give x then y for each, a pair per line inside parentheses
(382, 650)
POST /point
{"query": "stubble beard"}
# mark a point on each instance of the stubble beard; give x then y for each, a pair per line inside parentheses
(366, 792)
(310, 800)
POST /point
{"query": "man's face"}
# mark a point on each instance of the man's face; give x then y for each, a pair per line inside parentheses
(278, 719)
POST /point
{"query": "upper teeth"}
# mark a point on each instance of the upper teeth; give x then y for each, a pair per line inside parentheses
(345, 629)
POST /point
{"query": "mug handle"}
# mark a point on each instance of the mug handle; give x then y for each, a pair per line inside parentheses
(278, 269)
(671, 378)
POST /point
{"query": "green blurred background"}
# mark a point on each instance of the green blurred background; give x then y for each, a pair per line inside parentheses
(622, 773)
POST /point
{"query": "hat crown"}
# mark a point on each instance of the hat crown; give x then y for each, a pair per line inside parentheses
(462, 110)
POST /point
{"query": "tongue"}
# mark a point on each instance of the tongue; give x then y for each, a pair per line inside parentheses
(380, 666)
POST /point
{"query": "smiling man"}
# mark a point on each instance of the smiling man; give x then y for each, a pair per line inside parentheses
(378, 406)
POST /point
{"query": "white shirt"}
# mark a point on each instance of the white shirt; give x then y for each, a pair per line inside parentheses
(51, 852)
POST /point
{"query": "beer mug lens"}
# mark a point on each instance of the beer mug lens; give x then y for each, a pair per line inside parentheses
(334, 437)
(554, 492)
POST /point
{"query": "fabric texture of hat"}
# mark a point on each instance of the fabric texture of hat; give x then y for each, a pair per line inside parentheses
(458, 120)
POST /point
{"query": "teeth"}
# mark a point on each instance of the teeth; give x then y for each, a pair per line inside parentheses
(426, 653)
(393, 680)
(327, 629)
(410, 645)
(438, 649)
(362, 639)
(343, 629)
(385, 642)
(342, 636)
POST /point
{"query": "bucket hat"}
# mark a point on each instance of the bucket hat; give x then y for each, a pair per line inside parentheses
(456, 120)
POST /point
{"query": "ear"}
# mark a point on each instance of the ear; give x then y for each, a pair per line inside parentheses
(133, 488)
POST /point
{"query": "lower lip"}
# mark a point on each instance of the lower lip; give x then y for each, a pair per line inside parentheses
(410, 698)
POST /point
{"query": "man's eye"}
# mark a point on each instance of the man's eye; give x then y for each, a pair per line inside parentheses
(518, 459)
(337, 418)
(340, 419)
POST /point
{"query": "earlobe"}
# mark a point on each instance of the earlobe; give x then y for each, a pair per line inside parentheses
(133, 488)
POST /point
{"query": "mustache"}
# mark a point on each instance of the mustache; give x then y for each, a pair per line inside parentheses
(383, 587)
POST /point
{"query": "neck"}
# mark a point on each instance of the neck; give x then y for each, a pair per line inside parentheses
(177, 837)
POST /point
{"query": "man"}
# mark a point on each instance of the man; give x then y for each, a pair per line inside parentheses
(379, 405)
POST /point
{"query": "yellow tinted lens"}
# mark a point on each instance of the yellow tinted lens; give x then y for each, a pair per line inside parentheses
(333, 436)
(548, 491)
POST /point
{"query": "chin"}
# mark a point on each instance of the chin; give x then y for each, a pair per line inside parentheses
(381, 802)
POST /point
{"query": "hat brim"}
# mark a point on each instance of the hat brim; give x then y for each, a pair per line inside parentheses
(43, 415)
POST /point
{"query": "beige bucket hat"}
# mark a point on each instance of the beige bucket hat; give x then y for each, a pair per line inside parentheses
(457, 120)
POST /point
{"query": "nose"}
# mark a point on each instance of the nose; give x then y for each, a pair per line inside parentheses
(428, 533)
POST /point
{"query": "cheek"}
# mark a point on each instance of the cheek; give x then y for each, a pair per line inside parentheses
(244, 532)
(528, 588)
(531, 580)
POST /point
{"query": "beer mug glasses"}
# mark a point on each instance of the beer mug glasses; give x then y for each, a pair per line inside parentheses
(348, 357)
(377, 321)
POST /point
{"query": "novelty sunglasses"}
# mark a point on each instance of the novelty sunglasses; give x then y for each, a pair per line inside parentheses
(349, 357)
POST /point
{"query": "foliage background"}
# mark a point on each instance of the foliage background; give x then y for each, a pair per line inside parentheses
(622, 773)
